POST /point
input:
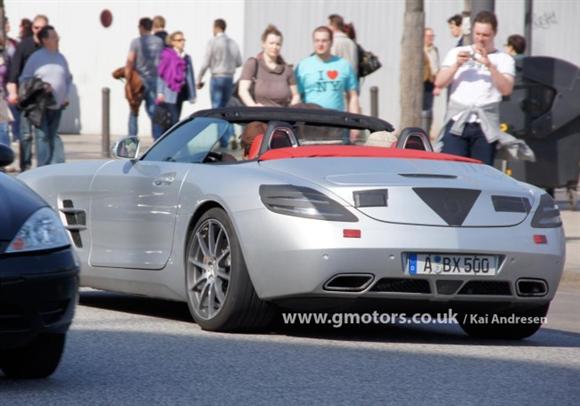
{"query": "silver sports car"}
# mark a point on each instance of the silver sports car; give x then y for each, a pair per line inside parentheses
(311, 219)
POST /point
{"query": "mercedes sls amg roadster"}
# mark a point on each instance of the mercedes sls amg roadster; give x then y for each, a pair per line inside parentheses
(311, 219)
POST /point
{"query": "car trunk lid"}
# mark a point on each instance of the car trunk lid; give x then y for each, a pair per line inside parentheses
(421, 192)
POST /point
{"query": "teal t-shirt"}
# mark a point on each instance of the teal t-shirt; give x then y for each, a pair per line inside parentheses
(325, 82)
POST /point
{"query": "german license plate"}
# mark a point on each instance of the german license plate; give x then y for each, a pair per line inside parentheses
(446, 264)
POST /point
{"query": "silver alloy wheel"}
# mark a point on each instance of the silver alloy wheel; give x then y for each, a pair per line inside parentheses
(209, 268)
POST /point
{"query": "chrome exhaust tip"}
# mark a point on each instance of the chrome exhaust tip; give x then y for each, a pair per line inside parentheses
(351, 282)
(531, 287)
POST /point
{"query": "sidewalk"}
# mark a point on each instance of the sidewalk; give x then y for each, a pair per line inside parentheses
(82, 147)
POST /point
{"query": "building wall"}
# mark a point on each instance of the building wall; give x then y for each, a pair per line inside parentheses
(94, 52)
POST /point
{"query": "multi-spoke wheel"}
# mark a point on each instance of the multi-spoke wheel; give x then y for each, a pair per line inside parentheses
(220, 293)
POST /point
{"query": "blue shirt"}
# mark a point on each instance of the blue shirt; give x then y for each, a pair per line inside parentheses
(325, 82)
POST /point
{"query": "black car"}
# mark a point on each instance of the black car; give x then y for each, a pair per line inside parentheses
(38, 280)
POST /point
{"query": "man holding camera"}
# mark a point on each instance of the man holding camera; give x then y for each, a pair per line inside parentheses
(479, 76)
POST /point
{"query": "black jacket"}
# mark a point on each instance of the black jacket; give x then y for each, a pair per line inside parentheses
(35, 97)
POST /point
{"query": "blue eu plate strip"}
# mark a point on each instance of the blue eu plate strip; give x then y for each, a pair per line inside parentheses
(412, 264)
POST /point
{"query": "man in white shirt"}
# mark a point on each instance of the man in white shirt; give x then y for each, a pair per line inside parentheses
(479, 76)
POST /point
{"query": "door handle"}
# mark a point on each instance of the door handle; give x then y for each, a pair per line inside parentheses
(164, 180)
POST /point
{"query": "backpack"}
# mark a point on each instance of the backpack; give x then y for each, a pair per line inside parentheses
(367, 62)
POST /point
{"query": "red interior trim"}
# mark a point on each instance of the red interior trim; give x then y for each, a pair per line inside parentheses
(255, 147)
(356, 151)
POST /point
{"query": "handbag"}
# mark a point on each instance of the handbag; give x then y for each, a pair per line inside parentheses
(236, 100)
(162, 116)
(367, 62)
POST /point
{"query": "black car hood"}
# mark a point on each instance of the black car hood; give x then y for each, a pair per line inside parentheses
(17, 203)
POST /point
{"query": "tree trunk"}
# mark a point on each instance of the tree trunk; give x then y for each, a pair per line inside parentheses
(412, 65)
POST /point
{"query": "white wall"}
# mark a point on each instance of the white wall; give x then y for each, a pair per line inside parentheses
(93, 51)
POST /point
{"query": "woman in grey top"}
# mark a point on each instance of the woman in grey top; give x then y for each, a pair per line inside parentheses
(49, 65)
(274, 82)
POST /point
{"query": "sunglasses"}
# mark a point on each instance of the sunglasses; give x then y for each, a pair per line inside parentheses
(179, 40)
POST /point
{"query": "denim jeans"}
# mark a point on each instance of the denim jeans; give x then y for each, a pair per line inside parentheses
(149, 96)
(472, 143)
(16, 123)
(175, 108)
(26, 138)
(49, 147)
(133, 124)
(221, 88)
(4, 134)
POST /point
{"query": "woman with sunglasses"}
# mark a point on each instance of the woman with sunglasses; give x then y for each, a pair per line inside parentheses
(176, 81)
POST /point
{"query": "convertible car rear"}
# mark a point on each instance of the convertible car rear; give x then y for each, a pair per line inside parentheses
(311, 222)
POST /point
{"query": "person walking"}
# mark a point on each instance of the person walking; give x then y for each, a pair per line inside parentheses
(479, 76)
(455, 28)
(50, 66)
(222, 57)
(430, 69)
(25, 29)
(176, 77)
(23, 51)
(143, 57)
(7, 56)
(343, 46)
(159, 29)
(7, 50)
(516, 46)
(272, 78)
(5, 113)
(326, 79)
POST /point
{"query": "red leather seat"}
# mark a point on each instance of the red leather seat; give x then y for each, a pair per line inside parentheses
(255, 147)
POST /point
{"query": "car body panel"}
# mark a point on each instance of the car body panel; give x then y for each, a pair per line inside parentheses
(138, 200)
(38, 287)
(18, 203)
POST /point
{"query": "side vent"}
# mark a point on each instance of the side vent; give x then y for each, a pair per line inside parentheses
(76, 221)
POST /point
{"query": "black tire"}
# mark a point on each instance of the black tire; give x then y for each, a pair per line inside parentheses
(39, 359)
(486, 325)
(239, 309)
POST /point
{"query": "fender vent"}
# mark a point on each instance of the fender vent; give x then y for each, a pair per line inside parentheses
(75, 221)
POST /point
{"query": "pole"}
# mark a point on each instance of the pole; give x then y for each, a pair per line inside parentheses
(466, 24)
(528, 24)
(106, 127)
(374, 101)
(481, 5)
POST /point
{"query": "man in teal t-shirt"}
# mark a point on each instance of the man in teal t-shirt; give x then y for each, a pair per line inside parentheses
(325, 79)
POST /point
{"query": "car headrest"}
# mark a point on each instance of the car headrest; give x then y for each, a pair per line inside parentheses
(255, 147)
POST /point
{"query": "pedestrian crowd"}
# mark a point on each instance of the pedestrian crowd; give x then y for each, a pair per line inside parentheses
(160, 74)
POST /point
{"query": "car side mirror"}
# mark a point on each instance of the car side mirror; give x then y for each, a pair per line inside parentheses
(6, 155)
(127, 148)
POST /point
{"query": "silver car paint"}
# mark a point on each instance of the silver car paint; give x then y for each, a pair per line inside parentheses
(293, 257)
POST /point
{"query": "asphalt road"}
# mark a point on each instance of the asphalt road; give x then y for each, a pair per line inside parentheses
(125, 350)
